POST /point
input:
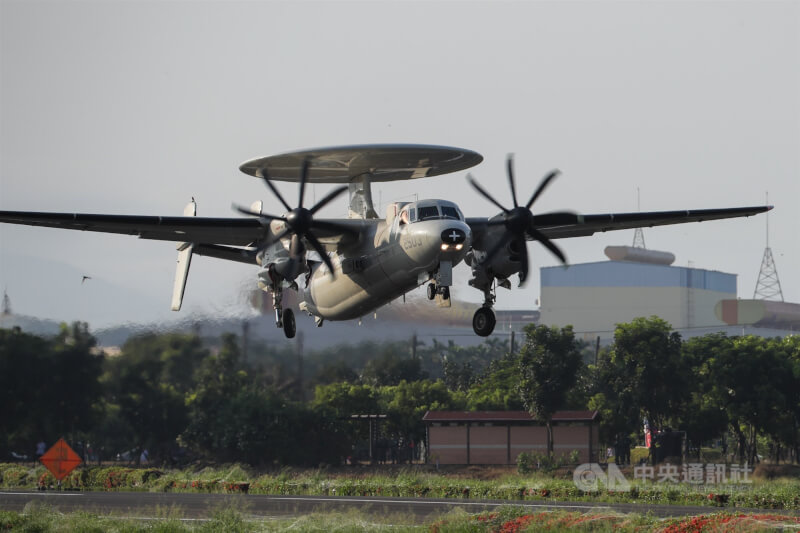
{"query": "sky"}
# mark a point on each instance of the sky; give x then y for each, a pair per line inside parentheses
(135, 107)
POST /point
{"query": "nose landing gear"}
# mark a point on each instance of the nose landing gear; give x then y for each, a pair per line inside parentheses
(433, 290)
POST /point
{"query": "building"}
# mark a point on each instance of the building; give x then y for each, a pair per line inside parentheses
(498, 437)
(594, 297)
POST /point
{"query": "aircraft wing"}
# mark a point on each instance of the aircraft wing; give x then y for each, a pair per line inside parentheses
(215, 235)
(563, 225)
(231, 231)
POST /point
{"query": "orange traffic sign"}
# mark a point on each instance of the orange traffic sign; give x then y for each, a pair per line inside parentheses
(60, 460)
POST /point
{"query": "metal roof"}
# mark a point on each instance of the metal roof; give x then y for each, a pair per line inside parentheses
(505, 416)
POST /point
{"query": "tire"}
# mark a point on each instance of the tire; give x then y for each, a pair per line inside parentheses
(431, 291)
(289, 325)
(445, 293)
(483, 322)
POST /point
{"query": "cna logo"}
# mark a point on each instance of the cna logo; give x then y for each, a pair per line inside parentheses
(590, 477)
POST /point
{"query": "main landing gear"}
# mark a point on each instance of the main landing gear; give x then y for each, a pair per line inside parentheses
(284, 318)
(289, 325)
(483, 321)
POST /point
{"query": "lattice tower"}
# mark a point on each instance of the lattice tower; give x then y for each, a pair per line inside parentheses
(638, 235)
(768, 286)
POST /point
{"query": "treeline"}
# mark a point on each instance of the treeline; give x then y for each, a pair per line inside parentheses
(183, 398)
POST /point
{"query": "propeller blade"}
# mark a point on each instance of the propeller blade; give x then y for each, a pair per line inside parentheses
(321, 251)
(245, 211)
(555, 250)
(303, 179)
(523, 271)
(485, 194)
(274, 189)
(542, 186)
(510, 162)
(331, 195)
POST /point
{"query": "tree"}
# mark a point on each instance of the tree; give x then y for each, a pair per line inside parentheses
(147, 385)
(391, 367)
(548, 368)
(497, 388)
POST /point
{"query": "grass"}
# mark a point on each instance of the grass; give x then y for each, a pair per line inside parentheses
(782, 493)
(508, 519)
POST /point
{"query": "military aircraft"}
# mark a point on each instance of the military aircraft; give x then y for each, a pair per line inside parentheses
(351, 266)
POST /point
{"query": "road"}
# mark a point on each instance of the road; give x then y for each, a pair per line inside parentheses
(397, 510)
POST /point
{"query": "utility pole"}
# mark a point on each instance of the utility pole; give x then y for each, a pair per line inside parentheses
(300, 385)
(245, 331)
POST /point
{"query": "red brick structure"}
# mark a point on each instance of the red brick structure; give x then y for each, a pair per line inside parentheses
(498, 437)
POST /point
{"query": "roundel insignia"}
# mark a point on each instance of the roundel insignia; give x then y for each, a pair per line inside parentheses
(453, 236)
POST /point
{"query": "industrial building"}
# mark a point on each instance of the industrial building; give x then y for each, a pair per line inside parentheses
(637, 282)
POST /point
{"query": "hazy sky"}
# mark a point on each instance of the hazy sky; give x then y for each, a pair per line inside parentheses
(135, 107)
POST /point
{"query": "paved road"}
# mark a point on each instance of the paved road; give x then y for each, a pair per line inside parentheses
(397, 510)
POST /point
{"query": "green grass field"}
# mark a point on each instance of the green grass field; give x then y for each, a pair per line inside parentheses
(506, 520)
(410, 481)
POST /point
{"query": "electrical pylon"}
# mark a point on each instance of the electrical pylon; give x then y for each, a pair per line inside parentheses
(768, 286)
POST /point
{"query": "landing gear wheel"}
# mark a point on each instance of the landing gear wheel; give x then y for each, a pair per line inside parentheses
(289, 326)
(445, 293)
(484, 321)
(431, 291)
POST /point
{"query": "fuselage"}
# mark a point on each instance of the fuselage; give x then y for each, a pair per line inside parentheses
(399, 254)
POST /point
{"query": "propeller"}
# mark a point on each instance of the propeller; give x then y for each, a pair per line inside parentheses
(299, 221)
(519, 221)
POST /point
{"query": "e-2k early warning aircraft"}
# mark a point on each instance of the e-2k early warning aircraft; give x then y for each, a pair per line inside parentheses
(350, 267)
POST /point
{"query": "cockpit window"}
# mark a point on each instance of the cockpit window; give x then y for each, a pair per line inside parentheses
(413, 213)
(450, 212)
(428, 212)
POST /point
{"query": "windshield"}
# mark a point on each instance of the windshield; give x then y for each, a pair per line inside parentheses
(428, 212)
(450, 212)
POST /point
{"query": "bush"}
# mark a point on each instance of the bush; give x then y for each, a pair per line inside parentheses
(527, 462)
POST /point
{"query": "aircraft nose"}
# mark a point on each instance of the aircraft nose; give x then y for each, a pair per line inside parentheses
(453, 239)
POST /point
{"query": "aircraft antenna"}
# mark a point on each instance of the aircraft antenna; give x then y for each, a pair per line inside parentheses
(6, 303)
(638, 235)
(768, 286)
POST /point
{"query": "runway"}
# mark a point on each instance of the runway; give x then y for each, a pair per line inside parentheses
(397, 510)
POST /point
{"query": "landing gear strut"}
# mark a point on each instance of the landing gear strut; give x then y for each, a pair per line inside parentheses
(484, 320)
(284, 318)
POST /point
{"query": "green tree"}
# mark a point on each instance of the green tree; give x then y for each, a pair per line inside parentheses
(498, 387)
(548, 368)
(391, 367)
(146, 387)
(407, 402)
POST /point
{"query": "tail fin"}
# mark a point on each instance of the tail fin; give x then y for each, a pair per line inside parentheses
(184, 261)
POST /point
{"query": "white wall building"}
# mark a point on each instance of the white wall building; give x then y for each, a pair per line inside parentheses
(594, 297)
